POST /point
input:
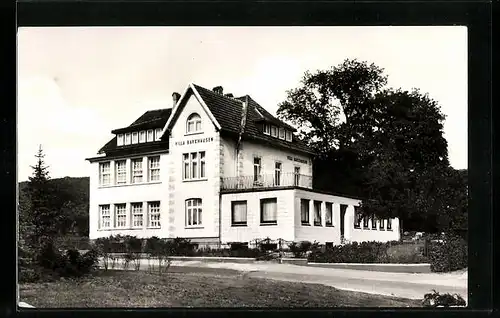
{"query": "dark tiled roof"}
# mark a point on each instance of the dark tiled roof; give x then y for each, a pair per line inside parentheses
(228, 111)
(149, 120)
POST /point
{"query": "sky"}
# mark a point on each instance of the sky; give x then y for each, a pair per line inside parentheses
(76, 84)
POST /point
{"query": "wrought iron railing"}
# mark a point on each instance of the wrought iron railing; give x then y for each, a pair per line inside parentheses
(267, 181)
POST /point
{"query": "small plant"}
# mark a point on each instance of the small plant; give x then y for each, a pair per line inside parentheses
(133, 253)
(299, 250)
(436, 299)
(448, 254)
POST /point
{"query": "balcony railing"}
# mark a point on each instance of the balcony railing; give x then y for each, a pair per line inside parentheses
(267, 181)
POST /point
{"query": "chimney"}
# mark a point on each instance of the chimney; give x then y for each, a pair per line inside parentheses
(229, 95)
(175, 98)
(217, 89)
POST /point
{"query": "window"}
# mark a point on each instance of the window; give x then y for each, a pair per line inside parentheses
(365, 221)
(304, 211)
(105, 216)
(274, 131)
(288, 135)
(154, 168)
(317, 213)
(193, 123)
(329, 214)
(150, 135)
(256, 168)
(158, 134)
(135, 137)
(154, 214)
(296, 176)
(137, 215)
(267, 129)
(389, 224)
(104, 173)
(127, 139)
(239, 212)
(374, 222)
(277, 173)
(193, 166)
(120, 215)
(120, 172)
(357, 218)
(282, 133)
(193, 212)
(142, 136)
(381, 224)
(137, 170)
(268, 209)
(119, 140)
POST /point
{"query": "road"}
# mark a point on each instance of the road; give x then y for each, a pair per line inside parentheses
(406, 285)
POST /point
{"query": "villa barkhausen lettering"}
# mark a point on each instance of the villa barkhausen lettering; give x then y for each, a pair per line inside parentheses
(194, 141)
(297, 159)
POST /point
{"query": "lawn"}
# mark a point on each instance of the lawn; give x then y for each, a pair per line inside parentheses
(187, 287)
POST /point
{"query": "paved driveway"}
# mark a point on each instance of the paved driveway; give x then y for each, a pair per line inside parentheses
(406, 285)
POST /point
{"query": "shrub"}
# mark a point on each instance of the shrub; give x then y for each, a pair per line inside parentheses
(436, 299)
(300, 249)
(133, 246)
(181, 247)
(448, 255)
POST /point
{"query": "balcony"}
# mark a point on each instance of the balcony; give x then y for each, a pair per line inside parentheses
(266, 181)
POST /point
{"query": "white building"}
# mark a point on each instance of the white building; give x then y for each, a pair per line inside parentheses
(217, 169)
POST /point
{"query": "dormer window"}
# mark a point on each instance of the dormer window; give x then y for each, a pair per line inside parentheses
(288, 135)
(119, 140)
(127, 138)
(193, 123)
(158, 134)
(135, 137)
(274, 131)
(150, 135)
(142, 136)
(267, 129)
(282, 133)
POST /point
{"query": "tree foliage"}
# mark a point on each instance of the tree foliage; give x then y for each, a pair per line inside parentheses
(382, 144)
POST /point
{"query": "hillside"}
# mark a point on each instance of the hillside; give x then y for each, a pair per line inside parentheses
(71, 199)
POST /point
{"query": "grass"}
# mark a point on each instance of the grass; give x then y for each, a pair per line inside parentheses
(185, 287)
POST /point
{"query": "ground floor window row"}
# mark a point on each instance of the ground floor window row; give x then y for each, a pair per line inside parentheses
(134, 215)
(383, 224)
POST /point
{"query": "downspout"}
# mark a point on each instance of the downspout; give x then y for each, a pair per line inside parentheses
(244, 112)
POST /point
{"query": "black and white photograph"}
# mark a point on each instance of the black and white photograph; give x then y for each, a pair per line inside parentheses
(194, 167)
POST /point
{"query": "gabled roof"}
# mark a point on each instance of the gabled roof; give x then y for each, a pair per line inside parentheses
(228, 112)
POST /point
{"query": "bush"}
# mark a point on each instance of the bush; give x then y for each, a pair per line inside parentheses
(449, 255)
(300, 249)
(181, 247)
(436, 299)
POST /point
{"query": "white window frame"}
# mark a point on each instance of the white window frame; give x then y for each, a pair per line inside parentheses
(317, 213)
(154, 214)
(278, 166)
(305, 212)
(142, 136)
(105, 172)
(154, 169)
(296, 176)
(289, 135)
(194, 162)
(281, 133)
(150, 135)
(104, 216)
(137, 213)
(267, 129)
(135, 171)
(389, 225)
(158, 134)
(195, 120)
(120, 210)
(274, 131)
(121, 174)
(381, 224)
(257, 169)
(128, 138)
(357, 218)
(328, 212)
(374, 222)
(120, 140)
(194, 209)
(135, 137)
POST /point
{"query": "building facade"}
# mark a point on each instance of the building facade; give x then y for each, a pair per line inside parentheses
(218, 169)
